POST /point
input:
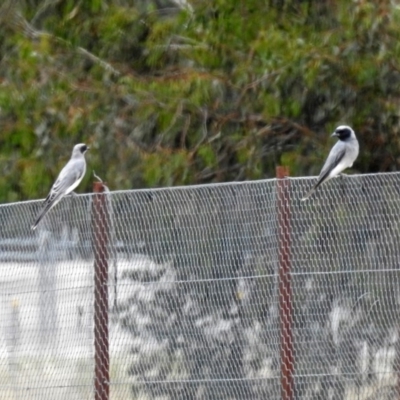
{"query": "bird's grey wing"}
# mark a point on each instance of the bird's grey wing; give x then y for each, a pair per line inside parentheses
(335, 157)
(69, 175)
(72, 172)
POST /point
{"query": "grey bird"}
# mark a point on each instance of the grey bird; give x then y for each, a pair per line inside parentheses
(342, 156)
(68, 179)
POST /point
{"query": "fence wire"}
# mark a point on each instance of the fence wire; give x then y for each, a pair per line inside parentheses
(193, 300)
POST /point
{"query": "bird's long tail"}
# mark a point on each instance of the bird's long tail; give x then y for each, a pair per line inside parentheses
(41, 215)
(309, 193)
(321, 180)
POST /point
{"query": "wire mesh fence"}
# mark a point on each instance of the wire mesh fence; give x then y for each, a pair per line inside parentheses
(194, 293)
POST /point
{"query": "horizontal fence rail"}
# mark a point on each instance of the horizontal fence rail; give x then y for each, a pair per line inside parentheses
(225, 291)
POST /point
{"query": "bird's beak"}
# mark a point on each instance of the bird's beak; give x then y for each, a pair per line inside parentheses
(334, 134)
(87, 148)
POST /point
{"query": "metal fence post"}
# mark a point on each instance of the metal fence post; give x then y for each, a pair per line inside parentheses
(100, 226)
(285, 292)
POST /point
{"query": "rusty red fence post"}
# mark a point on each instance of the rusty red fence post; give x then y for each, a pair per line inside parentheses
(285, 291)
(100, 226)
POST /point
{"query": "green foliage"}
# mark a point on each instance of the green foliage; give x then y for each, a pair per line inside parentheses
(221, 93)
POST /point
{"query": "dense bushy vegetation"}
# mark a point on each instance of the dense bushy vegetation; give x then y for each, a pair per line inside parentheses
(170, 93)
